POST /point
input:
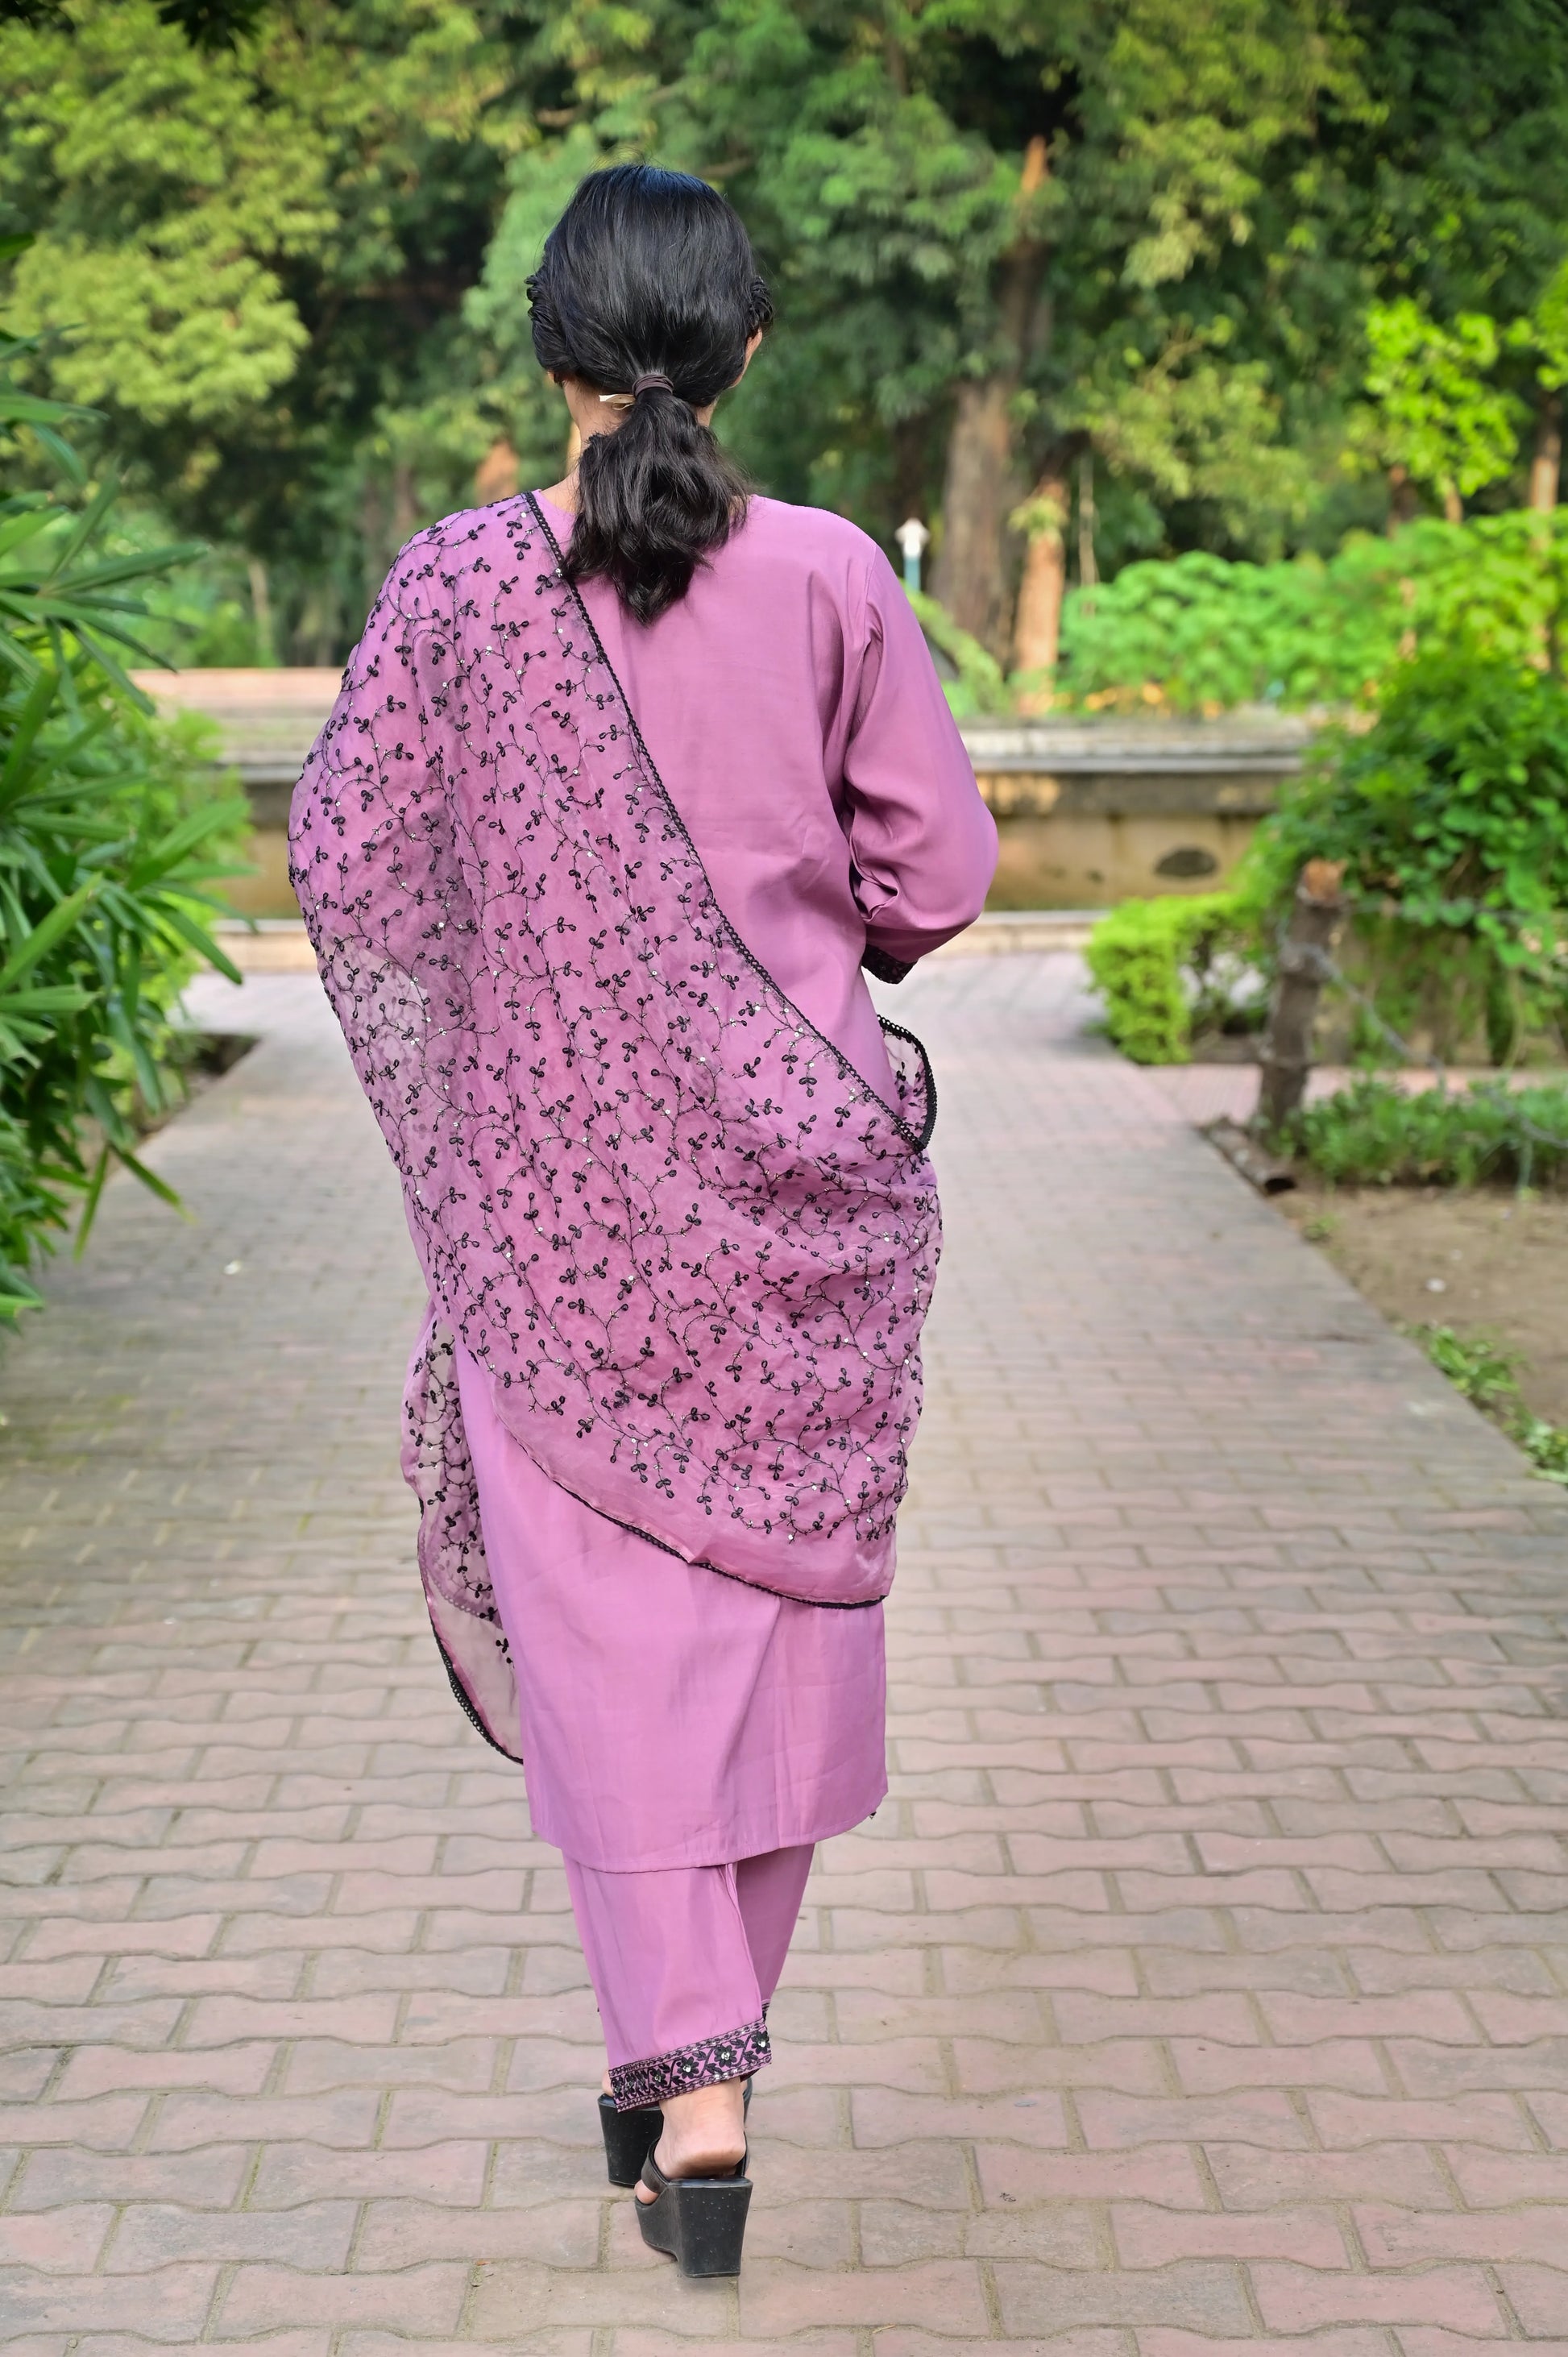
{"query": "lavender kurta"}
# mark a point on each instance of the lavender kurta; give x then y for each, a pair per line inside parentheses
(672, 1716)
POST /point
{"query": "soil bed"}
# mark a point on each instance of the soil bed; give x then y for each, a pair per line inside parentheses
(1482, 1260)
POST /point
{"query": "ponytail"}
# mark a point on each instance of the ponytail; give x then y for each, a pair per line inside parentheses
(647, 289)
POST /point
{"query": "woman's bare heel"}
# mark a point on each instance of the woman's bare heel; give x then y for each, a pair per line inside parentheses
(699, 2221)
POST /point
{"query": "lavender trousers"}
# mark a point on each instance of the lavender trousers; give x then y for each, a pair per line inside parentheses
(687, 1740)
(683, 1960)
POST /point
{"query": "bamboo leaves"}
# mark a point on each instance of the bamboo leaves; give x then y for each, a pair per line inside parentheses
(109, 843)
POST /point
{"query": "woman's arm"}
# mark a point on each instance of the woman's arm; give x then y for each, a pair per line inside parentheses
(923, 843)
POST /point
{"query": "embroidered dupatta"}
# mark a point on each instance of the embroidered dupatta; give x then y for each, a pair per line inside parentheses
(689, 1244)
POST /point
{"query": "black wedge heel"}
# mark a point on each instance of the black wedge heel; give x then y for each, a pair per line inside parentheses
(629, 2137)
(699, 2221)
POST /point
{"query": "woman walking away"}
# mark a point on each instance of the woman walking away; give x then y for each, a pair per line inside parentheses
(626, 781)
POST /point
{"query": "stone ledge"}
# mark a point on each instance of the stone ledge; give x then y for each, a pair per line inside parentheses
(281, 945)
(1108, 768)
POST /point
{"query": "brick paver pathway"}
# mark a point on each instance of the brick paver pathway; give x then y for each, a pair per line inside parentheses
(1195, 1988)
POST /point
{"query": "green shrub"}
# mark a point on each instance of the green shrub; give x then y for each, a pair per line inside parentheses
(1199, 631)
(108, 831)
(1373, 1134)
(1169, 968)
(1450, 816)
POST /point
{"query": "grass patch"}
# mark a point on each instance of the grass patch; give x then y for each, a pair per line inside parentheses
(1487, 1375)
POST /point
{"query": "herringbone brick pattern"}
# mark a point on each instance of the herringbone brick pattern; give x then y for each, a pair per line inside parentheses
(1202, 1985)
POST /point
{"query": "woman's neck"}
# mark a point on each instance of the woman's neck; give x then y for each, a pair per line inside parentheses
(564, 495)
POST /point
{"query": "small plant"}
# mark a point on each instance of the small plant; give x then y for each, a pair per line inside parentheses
(1545, 1445)
(1173, 968)
(1374, 1133)
(1478, 1367)
(1487, 1375)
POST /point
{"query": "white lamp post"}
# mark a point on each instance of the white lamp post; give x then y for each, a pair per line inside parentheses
(914, 540)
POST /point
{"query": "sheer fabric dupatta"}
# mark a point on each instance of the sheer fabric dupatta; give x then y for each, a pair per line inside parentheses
(691, 1246)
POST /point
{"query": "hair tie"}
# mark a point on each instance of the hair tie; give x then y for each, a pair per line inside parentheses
(646, 383)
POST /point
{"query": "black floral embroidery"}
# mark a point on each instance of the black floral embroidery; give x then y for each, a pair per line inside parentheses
(439, 1470)
(711, 2060)
(690, 1245)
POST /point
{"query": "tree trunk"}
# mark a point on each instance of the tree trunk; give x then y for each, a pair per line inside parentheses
(404, 505)
(373, 536)
(1402, 510)
(1088, 562)
(1038, 634)
(981, 490)
(911, 441)
(1546, 465)
(316, 635)
(496, 476)
(260, 610)
(1286, 1057)
(1453, 505)
(1403, 504)
(980, 494)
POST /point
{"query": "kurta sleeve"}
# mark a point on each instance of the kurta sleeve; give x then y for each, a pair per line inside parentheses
(922, 841)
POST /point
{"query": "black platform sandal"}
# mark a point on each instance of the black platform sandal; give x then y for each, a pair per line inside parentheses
(699, 2221)
(630, 2136)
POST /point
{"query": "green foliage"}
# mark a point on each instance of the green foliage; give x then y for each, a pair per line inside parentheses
(1198, 426)
(1206, 634)
(1478, 1367)
(174, 202)
(1169, 968)
(256, 225)
(282, 249)
(1487, 1375)
(1435, 413)
(1448, 400)
(107, 840)
(977, 687)
(266, 233)
(1373, 1134)
(540, 182)
(1450, 816)
(1545, 1445)
(883, 162)
(1200, 633)
(202, 618)
(206, 24)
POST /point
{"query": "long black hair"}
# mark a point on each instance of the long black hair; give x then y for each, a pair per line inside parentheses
(649, 272)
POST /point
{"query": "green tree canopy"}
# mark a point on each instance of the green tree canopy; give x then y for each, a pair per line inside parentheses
(251, 255)
(1215, 275)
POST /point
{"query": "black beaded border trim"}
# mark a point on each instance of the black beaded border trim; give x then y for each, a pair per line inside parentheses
(919, 1139)
(735, 2055)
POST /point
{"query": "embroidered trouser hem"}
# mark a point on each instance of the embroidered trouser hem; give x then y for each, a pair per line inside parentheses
(706, 2064)
(683, 1960)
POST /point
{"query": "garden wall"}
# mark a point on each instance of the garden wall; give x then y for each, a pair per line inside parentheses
(1090, 811)
(1093, 811)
